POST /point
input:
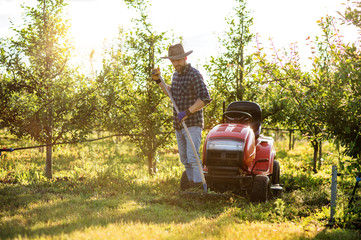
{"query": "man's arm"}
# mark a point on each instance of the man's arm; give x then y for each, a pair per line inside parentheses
(202, 100)
(198, 105)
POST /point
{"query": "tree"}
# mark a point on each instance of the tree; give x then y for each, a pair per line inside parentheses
(43, 95)
(233, 74)
(324, 101)
(229, 71)
(344, 115)
(299, 92)
(135, 103)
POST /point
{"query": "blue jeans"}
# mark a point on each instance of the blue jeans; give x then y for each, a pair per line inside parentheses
(186, 153)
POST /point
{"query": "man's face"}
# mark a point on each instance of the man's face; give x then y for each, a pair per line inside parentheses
(179, 64)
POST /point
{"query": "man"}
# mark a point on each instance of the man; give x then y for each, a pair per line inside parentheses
(190, 94)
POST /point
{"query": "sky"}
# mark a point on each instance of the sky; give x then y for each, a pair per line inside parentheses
(95, 23)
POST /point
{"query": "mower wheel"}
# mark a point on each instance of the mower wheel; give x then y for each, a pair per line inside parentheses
(261, 189)
(184, 183)
(276, 172)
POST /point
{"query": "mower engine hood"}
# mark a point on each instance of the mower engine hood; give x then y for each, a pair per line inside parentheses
(231, 137)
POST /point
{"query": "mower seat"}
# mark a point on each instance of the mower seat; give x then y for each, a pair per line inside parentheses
(253, 109)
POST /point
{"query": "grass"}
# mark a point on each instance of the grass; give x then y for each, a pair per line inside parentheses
(101, 190)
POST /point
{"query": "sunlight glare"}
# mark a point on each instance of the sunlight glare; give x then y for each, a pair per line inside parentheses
(94, 24)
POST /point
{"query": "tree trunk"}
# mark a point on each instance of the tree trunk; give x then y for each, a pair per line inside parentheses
(155, 170)
(150, 163)
(319, 155)
(315, 153)
(49, 162)
(290, 141)
(240, 69)
(49, 153)
(49, 139)
(49, 147)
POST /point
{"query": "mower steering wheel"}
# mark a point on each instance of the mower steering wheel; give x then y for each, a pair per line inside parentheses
(238, 116)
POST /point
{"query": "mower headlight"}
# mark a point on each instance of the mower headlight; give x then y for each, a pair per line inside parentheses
(225, 145)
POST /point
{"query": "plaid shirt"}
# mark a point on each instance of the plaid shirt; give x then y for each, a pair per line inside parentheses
(187, 86)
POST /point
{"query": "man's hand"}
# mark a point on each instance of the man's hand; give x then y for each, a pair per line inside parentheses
(183, 115)
(156, 75)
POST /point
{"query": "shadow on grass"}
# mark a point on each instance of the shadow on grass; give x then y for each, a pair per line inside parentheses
(69, 205)
(338, 234)
(65, 206)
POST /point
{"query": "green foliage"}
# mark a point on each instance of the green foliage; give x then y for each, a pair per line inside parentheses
(132, 102)
(230, 71)
(235, 73)
(43, 95)
(340, 113)
(352, 13)
(323, 102)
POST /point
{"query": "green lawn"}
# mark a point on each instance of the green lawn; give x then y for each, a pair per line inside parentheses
(101, 190)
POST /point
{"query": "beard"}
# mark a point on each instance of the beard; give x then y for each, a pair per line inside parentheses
(180, 68)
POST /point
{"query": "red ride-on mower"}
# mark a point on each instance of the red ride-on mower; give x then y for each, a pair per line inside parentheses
(236, 158)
